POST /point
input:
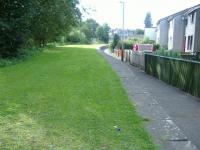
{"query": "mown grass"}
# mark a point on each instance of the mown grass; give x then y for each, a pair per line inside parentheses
(67, 98)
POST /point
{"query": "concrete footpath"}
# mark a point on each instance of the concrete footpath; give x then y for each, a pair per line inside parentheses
(174, 116)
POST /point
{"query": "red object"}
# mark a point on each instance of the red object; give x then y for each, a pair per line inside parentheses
(135, 47)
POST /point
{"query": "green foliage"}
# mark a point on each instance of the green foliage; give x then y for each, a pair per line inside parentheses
(171, 53)
(39, 20)
(156, 47)
(67, 98)
(24, 54)
(148, 41)
(148, 20)
(92, 25)
(76, 36)
(128, 44)
(139, 32)
(115, 41)
(102, 33)
(85, 33)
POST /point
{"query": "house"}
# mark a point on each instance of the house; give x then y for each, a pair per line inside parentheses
(127, 34)
(176, 31)
(150, 33)
(180, 31)
(192, 29)
(162, 33)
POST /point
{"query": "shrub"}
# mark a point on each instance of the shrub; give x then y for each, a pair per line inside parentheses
(148, 41)
(128, 44)
(156, 47)
(115, 41)
(167, 53)
(76, 36)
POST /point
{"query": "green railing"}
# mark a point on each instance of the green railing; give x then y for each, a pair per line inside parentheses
(184, 74)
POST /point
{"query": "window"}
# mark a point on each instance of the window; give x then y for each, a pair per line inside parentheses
(186, 22)
(189, 42)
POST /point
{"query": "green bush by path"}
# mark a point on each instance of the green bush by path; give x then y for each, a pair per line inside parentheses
(67, 98)
(168, 53)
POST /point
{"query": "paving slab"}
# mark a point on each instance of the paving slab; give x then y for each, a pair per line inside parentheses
(173, 115)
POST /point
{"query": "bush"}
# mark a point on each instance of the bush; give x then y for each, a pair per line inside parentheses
(167, 53)
(76, 36)
(156, 47)
(21, 56)
(128, 44)
(148, 41)
(115, 41)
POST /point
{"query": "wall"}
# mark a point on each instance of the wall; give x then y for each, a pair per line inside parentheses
(179, 33)
(197, 31)
(163, 33)
(190, 31)
(134, 58)
(150, 33)
(137, 59)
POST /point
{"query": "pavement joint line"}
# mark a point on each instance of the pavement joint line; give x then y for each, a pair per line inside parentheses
(179, 140)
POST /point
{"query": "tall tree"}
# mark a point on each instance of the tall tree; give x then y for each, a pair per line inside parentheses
(115, 41)
(39, 20)
(102, 33)
(148, 20)
(92, 25)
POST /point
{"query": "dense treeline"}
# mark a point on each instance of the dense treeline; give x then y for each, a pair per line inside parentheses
(25, 23)
(89, 31)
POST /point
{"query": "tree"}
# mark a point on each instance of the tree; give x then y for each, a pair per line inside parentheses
(89, 28)
(148, 20)
(115, 41)
(53, 18)
(92, 25)
(139, 31)
(76, 36)
(102, 33)
(39, 20)
(13, 25)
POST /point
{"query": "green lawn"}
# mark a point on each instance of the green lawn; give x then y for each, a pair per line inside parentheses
(67, 98)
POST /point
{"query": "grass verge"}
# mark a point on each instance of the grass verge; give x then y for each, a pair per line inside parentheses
(67, 98)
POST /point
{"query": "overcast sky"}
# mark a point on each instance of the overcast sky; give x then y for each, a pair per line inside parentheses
(110, 11)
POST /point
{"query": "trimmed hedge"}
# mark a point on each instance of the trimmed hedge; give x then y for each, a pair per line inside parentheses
(180, 73)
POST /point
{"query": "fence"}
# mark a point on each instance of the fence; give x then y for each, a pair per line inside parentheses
(134, 58)
(181, 73)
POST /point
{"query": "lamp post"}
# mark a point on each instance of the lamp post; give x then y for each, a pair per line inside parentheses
(122, 56)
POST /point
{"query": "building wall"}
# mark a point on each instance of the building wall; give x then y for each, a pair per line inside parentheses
(178, 33)
(158, 35)
(190, 31)
(197, 31)
(162, 33)
(150, 33)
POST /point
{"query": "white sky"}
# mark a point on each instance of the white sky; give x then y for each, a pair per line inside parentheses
(110, 11)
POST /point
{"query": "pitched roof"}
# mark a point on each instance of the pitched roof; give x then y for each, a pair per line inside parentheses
(183, 12)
